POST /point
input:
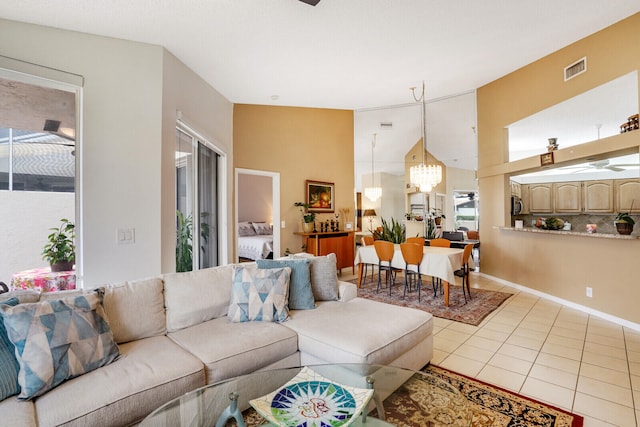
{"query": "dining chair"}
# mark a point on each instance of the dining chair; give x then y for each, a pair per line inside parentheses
(440, 242)
(474, 235)
(464, 271)
(436, 282)
(418, 240)
(384, 251)
(367, 241)
(412, 254)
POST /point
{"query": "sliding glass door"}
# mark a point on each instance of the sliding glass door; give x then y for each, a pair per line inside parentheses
(197, 202)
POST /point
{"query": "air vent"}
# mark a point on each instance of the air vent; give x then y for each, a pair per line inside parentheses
(575, 69)
(386, 125)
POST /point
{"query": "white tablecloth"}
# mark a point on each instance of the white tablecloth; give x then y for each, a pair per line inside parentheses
(437, 261)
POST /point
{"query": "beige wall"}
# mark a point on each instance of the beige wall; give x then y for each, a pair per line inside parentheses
(130, 94)
(557, 265)
(210, 114)
(300, 144)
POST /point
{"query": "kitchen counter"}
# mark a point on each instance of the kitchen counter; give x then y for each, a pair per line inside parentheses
(570, 233)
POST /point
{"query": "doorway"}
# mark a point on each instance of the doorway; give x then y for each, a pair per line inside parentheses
(257, 201)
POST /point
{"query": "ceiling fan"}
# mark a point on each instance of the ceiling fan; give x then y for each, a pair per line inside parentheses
(600, 165)
(310, 2)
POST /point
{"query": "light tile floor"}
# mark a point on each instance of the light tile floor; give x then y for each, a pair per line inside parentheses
(547, 351)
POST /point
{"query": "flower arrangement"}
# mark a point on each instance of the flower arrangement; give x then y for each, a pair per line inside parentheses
(307, 216)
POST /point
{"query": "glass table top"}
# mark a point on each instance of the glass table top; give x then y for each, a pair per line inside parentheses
(325, 395)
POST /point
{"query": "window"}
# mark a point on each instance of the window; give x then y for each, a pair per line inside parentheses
(197, 191)
(38, 147)
(36, 161)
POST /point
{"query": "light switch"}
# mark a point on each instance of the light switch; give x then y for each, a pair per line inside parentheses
(126, 236)
(282, 224)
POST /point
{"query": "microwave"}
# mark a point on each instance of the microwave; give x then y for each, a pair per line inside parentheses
(516, 205)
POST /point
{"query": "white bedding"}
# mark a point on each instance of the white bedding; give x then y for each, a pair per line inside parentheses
(255, 247)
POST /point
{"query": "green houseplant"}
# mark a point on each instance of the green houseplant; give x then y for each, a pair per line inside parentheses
(624, 223)
(308, 218)
(184, 242)
(60, 250)
(394, 232)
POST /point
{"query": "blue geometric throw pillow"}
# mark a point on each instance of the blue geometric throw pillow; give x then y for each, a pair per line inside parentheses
(8, 364)
(300, 292)
(58, 340)
(260, 295)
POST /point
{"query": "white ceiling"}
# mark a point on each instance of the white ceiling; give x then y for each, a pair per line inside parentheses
(356, 54)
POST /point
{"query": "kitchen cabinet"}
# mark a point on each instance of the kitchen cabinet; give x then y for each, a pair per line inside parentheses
(541, 198)
(567, 197)
(627, 191)
(598, 196)
(516, 189)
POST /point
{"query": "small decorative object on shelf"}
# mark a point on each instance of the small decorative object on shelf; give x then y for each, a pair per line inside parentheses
(624, 223)
(546, 159)
(633, 123)
(592, 228)
(308, 218)
(553, 144)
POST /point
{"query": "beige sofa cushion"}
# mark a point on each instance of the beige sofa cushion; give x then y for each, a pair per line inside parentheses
(359, 331)
(135, 309)
(234, 349)
(14, 412)
(197, 296)
(151, 372)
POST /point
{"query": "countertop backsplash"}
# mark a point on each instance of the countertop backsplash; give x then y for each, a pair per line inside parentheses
(579, 222)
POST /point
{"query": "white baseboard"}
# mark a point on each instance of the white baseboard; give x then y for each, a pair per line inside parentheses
(620, 321)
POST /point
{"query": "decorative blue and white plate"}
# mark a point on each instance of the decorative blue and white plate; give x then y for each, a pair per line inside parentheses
(310, 400)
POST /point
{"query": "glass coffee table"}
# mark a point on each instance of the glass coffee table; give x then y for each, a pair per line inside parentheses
(396, 396)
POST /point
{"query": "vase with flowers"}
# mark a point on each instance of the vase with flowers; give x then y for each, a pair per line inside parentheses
(308, 218)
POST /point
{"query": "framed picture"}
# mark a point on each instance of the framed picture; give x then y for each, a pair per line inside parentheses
(320, 196)
(546, 159)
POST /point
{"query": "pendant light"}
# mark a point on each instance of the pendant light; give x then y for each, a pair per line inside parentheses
(424, 176)
(373, 193)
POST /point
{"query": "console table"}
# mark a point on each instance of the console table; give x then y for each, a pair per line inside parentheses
(341, 243)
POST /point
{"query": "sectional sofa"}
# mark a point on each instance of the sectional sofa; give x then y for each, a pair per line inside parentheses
(173, 334)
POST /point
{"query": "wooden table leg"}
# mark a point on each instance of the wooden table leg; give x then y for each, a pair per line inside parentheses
(360, 269)
(445, 286)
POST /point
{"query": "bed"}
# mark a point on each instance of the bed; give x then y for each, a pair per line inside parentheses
(255, 240)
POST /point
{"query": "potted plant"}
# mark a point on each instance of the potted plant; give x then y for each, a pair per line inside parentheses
(624, 223)
(394, 232)
(60, 251)
(308, 218)
(437, 215)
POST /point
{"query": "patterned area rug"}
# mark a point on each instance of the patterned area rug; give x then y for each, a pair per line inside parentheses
(491, 406)
(472, 312)
(487, 406)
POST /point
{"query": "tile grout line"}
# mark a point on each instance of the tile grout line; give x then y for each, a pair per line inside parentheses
(626, 352)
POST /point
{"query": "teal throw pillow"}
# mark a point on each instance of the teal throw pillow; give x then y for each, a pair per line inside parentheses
(57, 340)
(8, 364)
(300, 292)
(260, 295)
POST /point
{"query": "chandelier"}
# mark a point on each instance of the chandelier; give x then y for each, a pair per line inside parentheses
(424, 176)
(373, 193)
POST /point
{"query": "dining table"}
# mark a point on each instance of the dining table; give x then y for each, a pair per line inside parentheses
(436, 262)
